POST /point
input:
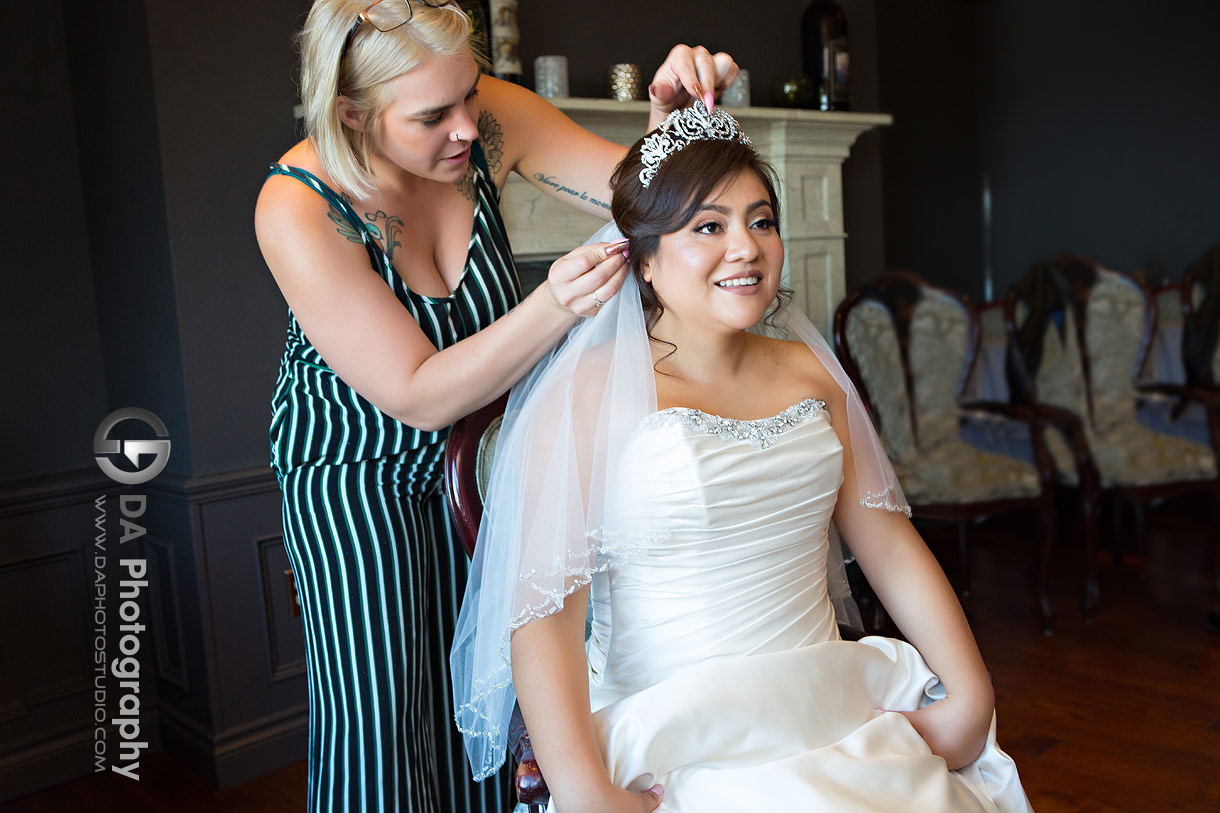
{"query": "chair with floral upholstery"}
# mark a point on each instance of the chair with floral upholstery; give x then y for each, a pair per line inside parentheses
(1080, 334)
(909, 346)
(1199, 298)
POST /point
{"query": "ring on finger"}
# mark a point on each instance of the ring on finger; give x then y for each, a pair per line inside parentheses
(597, 303)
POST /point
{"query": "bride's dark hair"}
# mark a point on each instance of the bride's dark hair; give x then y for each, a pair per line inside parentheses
(682, 183)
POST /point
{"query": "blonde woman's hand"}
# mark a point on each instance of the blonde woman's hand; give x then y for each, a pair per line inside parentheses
(584, 279)
(687, 74)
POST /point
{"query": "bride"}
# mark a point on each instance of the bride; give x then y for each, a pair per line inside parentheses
(682, 465)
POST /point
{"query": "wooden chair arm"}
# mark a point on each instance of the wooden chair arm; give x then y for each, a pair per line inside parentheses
(1015, 412)
(531, 785)
(1186, 395)
(1071, 425)
(1037, 420)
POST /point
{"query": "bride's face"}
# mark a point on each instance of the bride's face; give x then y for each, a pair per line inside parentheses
(722, 267)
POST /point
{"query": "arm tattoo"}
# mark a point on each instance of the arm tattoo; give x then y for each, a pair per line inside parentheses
(387, 233)
(549, 180)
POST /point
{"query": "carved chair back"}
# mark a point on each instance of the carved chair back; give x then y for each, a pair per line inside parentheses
(1201, 320)
(909, 346)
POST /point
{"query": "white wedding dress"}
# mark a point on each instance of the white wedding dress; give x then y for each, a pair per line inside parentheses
(716, 667)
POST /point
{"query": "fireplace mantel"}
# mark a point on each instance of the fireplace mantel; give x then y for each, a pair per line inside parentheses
(807, 149)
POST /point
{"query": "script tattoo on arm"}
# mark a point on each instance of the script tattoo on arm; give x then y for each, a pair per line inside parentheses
(549, 180)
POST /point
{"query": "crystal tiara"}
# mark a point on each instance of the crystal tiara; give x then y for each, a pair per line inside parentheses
(681, 127)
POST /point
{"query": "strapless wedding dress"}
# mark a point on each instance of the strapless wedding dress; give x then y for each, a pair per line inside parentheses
(715, 662)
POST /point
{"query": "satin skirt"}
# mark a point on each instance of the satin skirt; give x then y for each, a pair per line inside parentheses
(798, 730)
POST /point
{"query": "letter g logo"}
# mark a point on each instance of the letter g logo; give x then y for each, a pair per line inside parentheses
(104, 446)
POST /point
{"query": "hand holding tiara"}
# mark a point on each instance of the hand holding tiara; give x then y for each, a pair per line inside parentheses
(689, 73)
(682, 127)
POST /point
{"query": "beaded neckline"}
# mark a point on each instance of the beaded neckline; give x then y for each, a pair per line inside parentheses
(759, 433)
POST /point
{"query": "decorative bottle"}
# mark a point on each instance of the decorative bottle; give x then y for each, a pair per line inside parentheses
(824, 54)
(505, 40)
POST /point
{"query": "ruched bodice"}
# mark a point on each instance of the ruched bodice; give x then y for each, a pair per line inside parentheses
(736, 516)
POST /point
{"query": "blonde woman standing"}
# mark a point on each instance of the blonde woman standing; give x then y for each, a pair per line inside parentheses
(383, 232)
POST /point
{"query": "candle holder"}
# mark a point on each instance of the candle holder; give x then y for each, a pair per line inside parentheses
(623, 82)
(551, 76)
(738, 93)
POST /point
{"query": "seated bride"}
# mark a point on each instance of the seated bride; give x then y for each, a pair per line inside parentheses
(682, 465)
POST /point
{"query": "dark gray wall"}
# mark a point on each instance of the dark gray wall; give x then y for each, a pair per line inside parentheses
(1100, 122)
(1096, 122)
(137, 136)
(224, 94)
(931, 176)
(54, 382)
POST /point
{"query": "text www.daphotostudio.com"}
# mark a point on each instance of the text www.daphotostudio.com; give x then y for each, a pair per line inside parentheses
(117, 668)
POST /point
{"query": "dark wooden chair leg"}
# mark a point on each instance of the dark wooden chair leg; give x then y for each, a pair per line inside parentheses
(1045, 548)
(963, 557)
(1118, 539)
(1213, 617)
(1089, 516)
(1139, 528)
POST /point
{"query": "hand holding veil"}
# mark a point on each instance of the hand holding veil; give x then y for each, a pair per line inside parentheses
(545, 528)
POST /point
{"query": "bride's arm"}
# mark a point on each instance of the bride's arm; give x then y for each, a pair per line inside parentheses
(552, 682)
(913, 588)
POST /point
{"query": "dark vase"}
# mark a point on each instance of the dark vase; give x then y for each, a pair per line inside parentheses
(824, 54)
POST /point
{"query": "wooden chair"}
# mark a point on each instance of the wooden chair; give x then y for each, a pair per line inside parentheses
(467, 467)
(1080, 334)
(908, 347)
(1199, 293)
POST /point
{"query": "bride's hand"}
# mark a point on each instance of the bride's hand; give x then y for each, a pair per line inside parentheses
(955, 730)
(689, 73)
(582, 278)
(619, 800)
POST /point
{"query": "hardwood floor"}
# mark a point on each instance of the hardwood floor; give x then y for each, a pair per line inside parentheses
(1119, 714)
(166, 786)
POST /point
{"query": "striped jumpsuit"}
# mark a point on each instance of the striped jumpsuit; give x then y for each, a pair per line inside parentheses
(377, 566)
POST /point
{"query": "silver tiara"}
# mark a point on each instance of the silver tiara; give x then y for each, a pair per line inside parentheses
(681, 127)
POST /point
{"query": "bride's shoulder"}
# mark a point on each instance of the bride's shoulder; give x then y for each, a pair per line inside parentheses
(793, 357)
(796, 365)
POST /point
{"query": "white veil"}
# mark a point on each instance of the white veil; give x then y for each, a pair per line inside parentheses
(545, 531)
